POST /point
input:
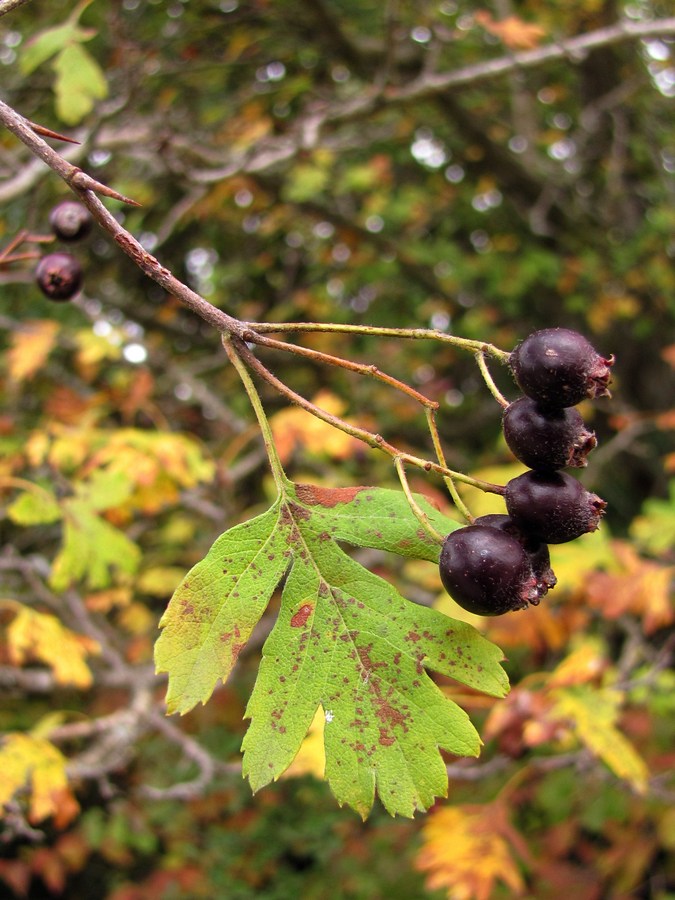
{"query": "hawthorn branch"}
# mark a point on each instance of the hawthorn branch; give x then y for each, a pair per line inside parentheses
(7, 6)
(86, 189)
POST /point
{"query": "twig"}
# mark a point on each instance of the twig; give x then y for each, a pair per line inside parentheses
(6, 6)
(360, 368)
(260, 328)
(440, 456)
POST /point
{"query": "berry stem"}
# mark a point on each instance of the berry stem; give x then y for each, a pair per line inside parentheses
(419, 513)
(448, 479)
(480, 356)
(376, 441)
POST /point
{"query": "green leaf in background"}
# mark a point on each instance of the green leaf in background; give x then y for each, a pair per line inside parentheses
(344, 640)
(79, 82)
(92, 549)
(50, 42)
(105, 489)
(35, 508)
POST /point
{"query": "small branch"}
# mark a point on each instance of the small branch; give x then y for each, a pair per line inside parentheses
(260, 328)
(574, 48)
(7, 6)
(207, 764)
(256, 403)
(359, 368)
(8, 256)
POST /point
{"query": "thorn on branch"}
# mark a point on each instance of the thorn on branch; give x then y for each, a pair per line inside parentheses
(83, 182)
(55, 135)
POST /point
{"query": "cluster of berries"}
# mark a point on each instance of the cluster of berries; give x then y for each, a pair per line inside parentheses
(59, 274)
(501, 562)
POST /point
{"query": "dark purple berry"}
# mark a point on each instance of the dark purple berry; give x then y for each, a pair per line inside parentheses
(59, 276)
(558, 367)
(70, 220)
(546, 438)
(540, 558)
(552, 506)
(487, 571)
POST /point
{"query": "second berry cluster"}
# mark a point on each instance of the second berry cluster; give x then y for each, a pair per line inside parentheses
(501, 563)
(59, 274)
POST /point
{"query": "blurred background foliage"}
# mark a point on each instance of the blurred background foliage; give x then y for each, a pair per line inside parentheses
(296, 161)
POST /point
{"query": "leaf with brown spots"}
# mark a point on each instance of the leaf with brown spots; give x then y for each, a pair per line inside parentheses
(215, 608)
(345, 640)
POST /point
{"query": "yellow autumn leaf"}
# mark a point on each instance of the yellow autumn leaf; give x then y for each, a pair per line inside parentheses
(466, 851)
(585, 663)
(35, 764)
(93, 348)
(108, 599)
(593, 714)
(33, 636)
(295, 427)
(30, 348)
(311, 757)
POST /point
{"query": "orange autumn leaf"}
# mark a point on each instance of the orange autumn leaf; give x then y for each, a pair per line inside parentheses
(513, 32)
(640, 586)
(467, 850)
(293, 427)
(30, 348)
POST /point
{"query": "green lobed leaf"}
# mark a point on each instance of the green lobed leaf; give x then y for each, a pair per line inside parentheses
(344, 640)
(215, 608)
(79, 83)
(375, 517)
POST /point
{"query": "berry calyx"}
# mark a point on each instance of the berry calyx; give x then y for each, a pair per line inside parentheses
(552, 506)
(546, 439)
(537, 551)
(70, 220)
(59, 276)
(487, 571)
(559, 367)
